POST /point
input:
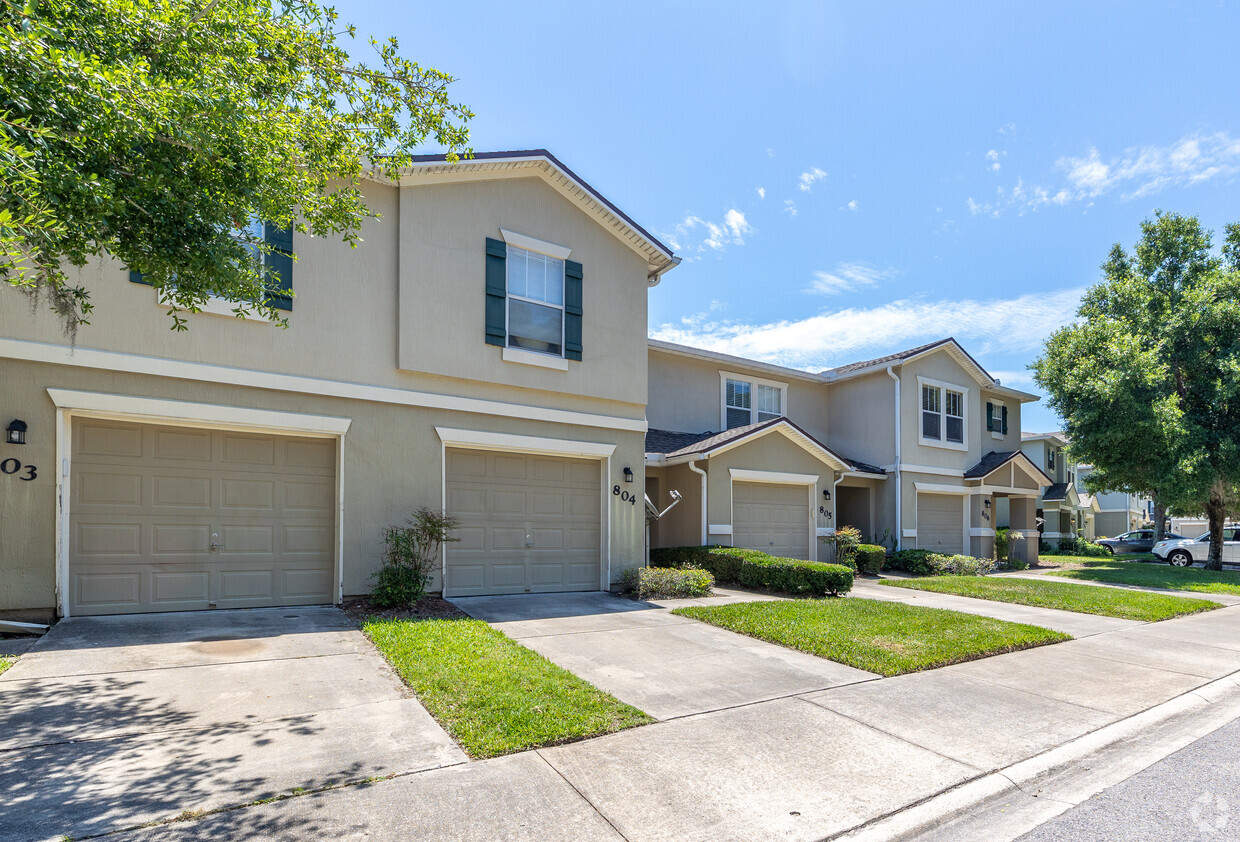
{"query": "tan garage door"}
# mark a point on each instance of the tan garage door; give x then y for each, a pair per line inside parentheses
(148, 502)
(940, 522)
(529, 524)
(772, 518)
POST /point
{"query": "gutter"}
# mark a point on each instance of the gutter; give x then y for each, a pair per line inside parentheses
(653, 278)
(899, 469)
(693, 466)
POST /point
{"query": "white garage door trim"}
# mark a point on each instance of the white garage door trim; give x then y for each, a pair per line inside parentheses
(810, 481)
(74, 404)
(513, 443)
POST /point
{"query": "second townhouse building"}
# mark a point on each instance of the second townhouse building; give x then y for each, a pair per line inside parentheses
(915, 449)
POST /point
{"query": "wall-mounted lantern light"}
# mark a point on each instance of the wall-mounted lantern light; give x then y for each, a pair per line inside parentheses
(628, 474)
(16, 432)
(826, 494)
(988, 502)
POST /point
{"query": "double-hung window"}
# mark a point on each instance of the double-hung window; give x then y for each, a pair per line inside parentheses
(750, 401)
(535, 302)
(943, 410)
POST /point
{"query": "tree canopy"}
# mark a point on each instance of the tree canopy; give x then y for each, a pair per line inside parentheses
(157, 131)
(1147, 380)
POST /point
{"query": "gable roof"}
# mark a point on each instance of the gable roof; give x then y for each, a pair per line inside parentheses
(1056, 436)
(541, 163)
(670, 445)
(1057, 491)
(732, 361)
(996, 459)
(898, 356)
(949, 345)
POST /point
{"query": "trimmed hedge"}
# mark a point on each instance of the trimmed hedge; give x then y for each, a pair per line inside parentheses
(870, 558)
(912, 561)
(927, 563)
(759, 571)
(666, 582)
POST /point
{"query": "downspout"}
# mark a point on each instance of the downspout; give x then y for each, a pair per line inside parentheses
(693, 467)
(899, 488)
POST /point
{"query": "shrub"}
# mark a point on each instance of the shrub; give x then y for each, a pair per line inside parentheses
(870, 558)
(1017, 564)
(666, 582)
(1002, 543)
(1090, 549)
(846, 539)
(410, 554)
(759, 571)
(959, 565)
(912, 561)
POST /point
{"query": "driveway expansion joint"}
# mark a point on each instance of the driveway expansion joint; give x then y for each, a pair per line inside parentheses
(580, 794)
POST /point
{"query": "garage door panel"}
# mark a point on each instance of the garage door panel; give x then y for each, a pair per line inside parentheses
(940, 522)
(771, 517)
(148, 501)
(528, 523)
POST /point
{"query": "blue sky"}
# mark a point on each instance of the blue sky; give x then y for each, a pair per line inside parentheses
(845, 180)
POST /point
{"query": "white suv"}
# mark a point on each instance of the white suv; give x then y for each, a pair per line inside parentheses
(1185, 551)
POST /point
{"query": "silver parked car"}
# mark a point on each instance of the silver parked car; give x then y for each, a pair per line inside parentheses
(1186, 551)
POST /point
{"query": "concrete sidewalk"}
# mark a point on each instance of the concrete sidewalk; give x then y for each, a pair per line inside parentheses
(805, 767)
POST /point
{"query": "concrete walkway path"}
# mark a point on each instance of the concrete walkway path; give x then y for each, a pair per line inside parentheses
(804, 767)
(666, 665)
(110, 722)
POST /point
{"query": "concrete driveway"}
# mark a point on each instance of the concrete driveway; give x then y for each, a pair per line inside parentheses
(110, 722)
(666, 665)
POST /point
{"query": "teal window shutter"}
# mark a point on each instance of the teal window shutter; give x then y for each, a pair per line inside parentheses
(136, 278)
(280, 261)
(990, 416)
(497, 292)
(572, 310)
(1005, 420)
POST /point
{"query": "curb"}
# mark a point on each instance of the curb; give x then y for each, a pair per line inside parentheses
(1059, 779)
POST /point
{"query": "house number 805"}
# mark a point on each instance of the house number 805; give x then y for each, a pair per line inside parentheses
(12, 466)
(631, 499)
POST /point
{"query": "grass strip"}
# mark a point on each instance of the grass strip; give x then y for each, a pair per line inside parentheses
(888, 638)
(491, 694)
(5, 663)
(1155, 576)
(1084, 599)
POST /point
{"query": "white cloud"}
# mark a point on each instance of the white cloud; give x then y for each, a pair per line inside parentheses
(993, 157)
(715, 236)
(1135, 173)
(848, 277)
(1008, 325)
(790, 207)
(761, 192)
(1007, 129)
(852, 206)
(810, 178)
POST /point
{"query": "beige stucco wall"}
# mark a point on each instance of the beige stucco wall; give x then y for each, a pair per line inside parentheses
(861, 417)
(943, 368)
(682, 527)
(391, 456)
(685, 395)
(443, 229)
(995, 440)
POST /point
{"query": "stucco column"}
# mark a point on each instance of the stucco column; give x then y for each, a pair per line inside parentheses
(1024, 520)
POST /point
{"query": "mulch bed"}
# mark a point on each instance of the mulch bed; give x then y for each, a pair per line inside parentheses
(360, 610)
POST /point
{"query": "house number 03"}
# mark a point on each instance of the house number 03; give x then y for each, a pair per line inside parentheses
(12, 466)
(631, 499)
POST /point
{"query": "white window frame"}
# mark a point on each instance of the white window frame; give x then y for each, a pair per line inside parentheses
(959, 414)
(754, 382)
(509, 296)
(942, 441)
(218, 305)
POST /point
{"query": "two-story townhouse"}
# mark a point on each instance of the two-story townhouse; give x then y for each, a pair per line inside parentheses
(914, 449)
(483, 350)
(1061, 506)
(1117, 512)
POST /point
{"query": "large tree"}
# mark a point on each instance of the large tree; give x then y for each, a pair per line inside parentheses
(1147, 379)
(156, 131)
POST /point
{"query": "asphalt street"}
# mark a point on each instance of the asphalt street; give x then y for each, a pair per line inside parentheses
(1192, 794)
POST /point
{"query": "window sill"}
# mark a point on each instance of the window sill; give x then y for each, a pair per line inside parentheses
(999, 436)
(516, 355)
(944, 445)
(216, 306)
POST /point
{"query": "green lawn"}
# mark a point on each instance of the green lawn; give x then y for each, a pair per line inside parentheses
(491, 694)
(888, 638)
(1155, 576)
(1086, 599)
(5, 663)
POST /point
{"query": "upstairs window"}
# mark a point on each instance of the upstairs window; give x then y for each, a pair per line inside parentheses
(750, 402)
(535, 302)
(943, 415)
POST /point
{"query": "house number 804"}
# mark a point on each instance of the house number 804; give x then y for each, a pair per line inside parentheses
(631, 499)
(12, 466)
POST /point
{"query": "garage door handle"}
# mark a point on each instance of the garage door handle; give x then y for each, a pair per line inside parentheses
(215, 546)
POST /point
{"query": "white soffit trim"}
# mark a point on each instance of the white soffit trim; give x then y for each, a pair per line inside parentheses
(482, 440)
(43, 352)
(533, 244)
(196, 414)
(719, 529)
(746, 475)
